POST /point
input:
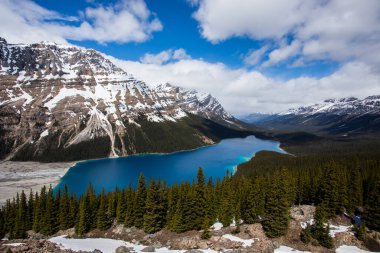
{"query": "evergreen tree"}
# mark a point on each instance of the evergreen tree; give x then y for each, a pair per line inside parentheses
(277, 208)
(130, 200)
(152, 216)
(29, 217)
(84, 218)
(205, 227)
(20, 223)
(226, 208)
(140, 203)
(306, 234)
(356, 189)
(321, 232)
(73, 217)
(255, 203)
(372, 214)
(121, 206)
(200, 200)
(64, 210)
(37, 213)
(103, 221)
(50, 222)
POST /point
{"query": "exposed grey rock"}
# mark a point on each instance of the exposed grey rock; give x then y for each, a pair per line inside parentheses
(148, 249)
(122, 249)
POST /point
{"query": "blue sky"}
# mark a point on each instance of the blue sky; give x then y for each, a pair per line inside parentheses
(253, 55)
(181, 30)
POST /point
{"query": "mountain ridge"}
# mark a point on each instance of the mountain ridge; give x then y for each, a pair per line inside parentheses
(345, 116)
(68, 96)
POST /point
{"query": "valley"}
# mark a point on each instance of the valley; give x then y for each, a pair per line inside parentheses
(167, 169)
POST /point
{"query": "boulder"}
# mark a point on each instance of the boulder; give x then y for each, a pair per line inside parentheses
(148, 249)
(122, 249)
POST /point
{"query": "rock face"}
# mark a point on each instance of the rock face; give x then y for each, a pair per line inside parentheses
(58, 100)
(346, 116)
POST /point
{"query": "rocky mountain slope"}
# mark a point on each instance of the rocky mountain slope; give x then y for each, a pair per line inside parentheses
(60, 103)
(346, 116)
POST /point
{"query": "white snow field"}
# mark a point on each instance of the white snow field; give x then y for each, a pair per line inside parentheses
(286, 249)
(246, 242)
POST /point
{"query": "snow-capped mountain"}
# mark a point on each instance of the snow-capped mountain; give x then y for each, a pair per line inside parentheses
(344, 106)
(57, 99)
(344, 116)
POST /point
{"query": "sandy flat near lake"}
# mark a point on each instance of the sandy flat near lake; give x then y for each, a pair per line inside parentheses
(18, 176)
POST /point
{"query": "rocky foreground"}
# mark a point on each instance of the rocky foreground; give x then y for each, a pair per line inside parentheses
(250, 238)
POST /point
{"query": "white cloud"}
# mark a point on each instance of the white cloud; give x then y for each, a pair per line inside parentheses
(125, 21)
(282, 53)
(325, 30)
(257, 19)
(165, 56)
(246, 91)
(255, 56)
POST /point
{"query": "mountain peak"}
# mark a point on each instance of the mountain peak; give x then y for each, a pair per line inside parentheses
(77, 95)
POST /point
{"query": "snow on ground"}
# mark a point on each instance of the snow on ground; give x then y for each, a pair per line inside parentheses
(106, 245)
(16, 244)
(217, 226)
(285, 249)
(246, 242)
(338, 229)
(350, 249)
(304, 224)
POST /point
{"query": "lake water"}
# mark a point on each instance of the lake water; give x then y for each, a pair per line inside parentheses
(215, 161)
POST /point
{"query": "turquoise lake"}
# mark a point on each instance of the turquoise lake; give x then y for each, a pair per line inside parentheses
(176, 167)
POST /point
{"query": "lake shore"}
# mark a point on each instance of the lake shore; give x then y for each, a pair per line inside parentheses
(18, 176)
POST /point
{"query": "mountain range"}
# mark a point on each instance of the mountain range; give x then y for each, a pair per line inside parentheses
(345, 116)
(62, 103)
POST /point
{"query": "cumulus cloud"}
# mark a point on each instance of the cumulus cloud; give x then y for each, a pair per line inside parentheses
(323, 30)
(124, 21)
(255, 56)
(245, 91)
(165, 56)
(283, 53)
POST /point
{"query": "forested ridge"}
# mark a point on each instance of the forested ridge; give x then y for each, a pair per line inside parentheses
(262, 190)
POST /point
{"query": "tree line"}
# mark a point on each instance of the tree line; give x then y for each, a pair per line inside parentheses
(264, 193)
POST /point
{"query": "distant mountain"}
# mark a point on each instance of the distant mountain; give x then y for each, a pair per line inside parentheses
(255, 117)
(346, 116)
(60, 102)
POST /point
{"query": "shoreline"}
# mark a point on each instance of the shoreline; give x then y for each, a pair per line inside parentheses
(17, 176)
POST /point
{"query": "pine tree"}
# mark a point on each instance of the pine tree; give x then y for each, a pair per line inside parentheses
(200, 200)
(129, 220)
(226, 213)
(103, 221)
(152, 216)
(372, 213)
(64, 210)
(306, 234)
(140, 203)
(50, 222)
(356, 189)
(321, 232)
(206, 232)
(20, 222)
(37, 213)
(73, 217)
(29, 216)
(255, 203)
(276, 219)
(121, 206)
(84, 218)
